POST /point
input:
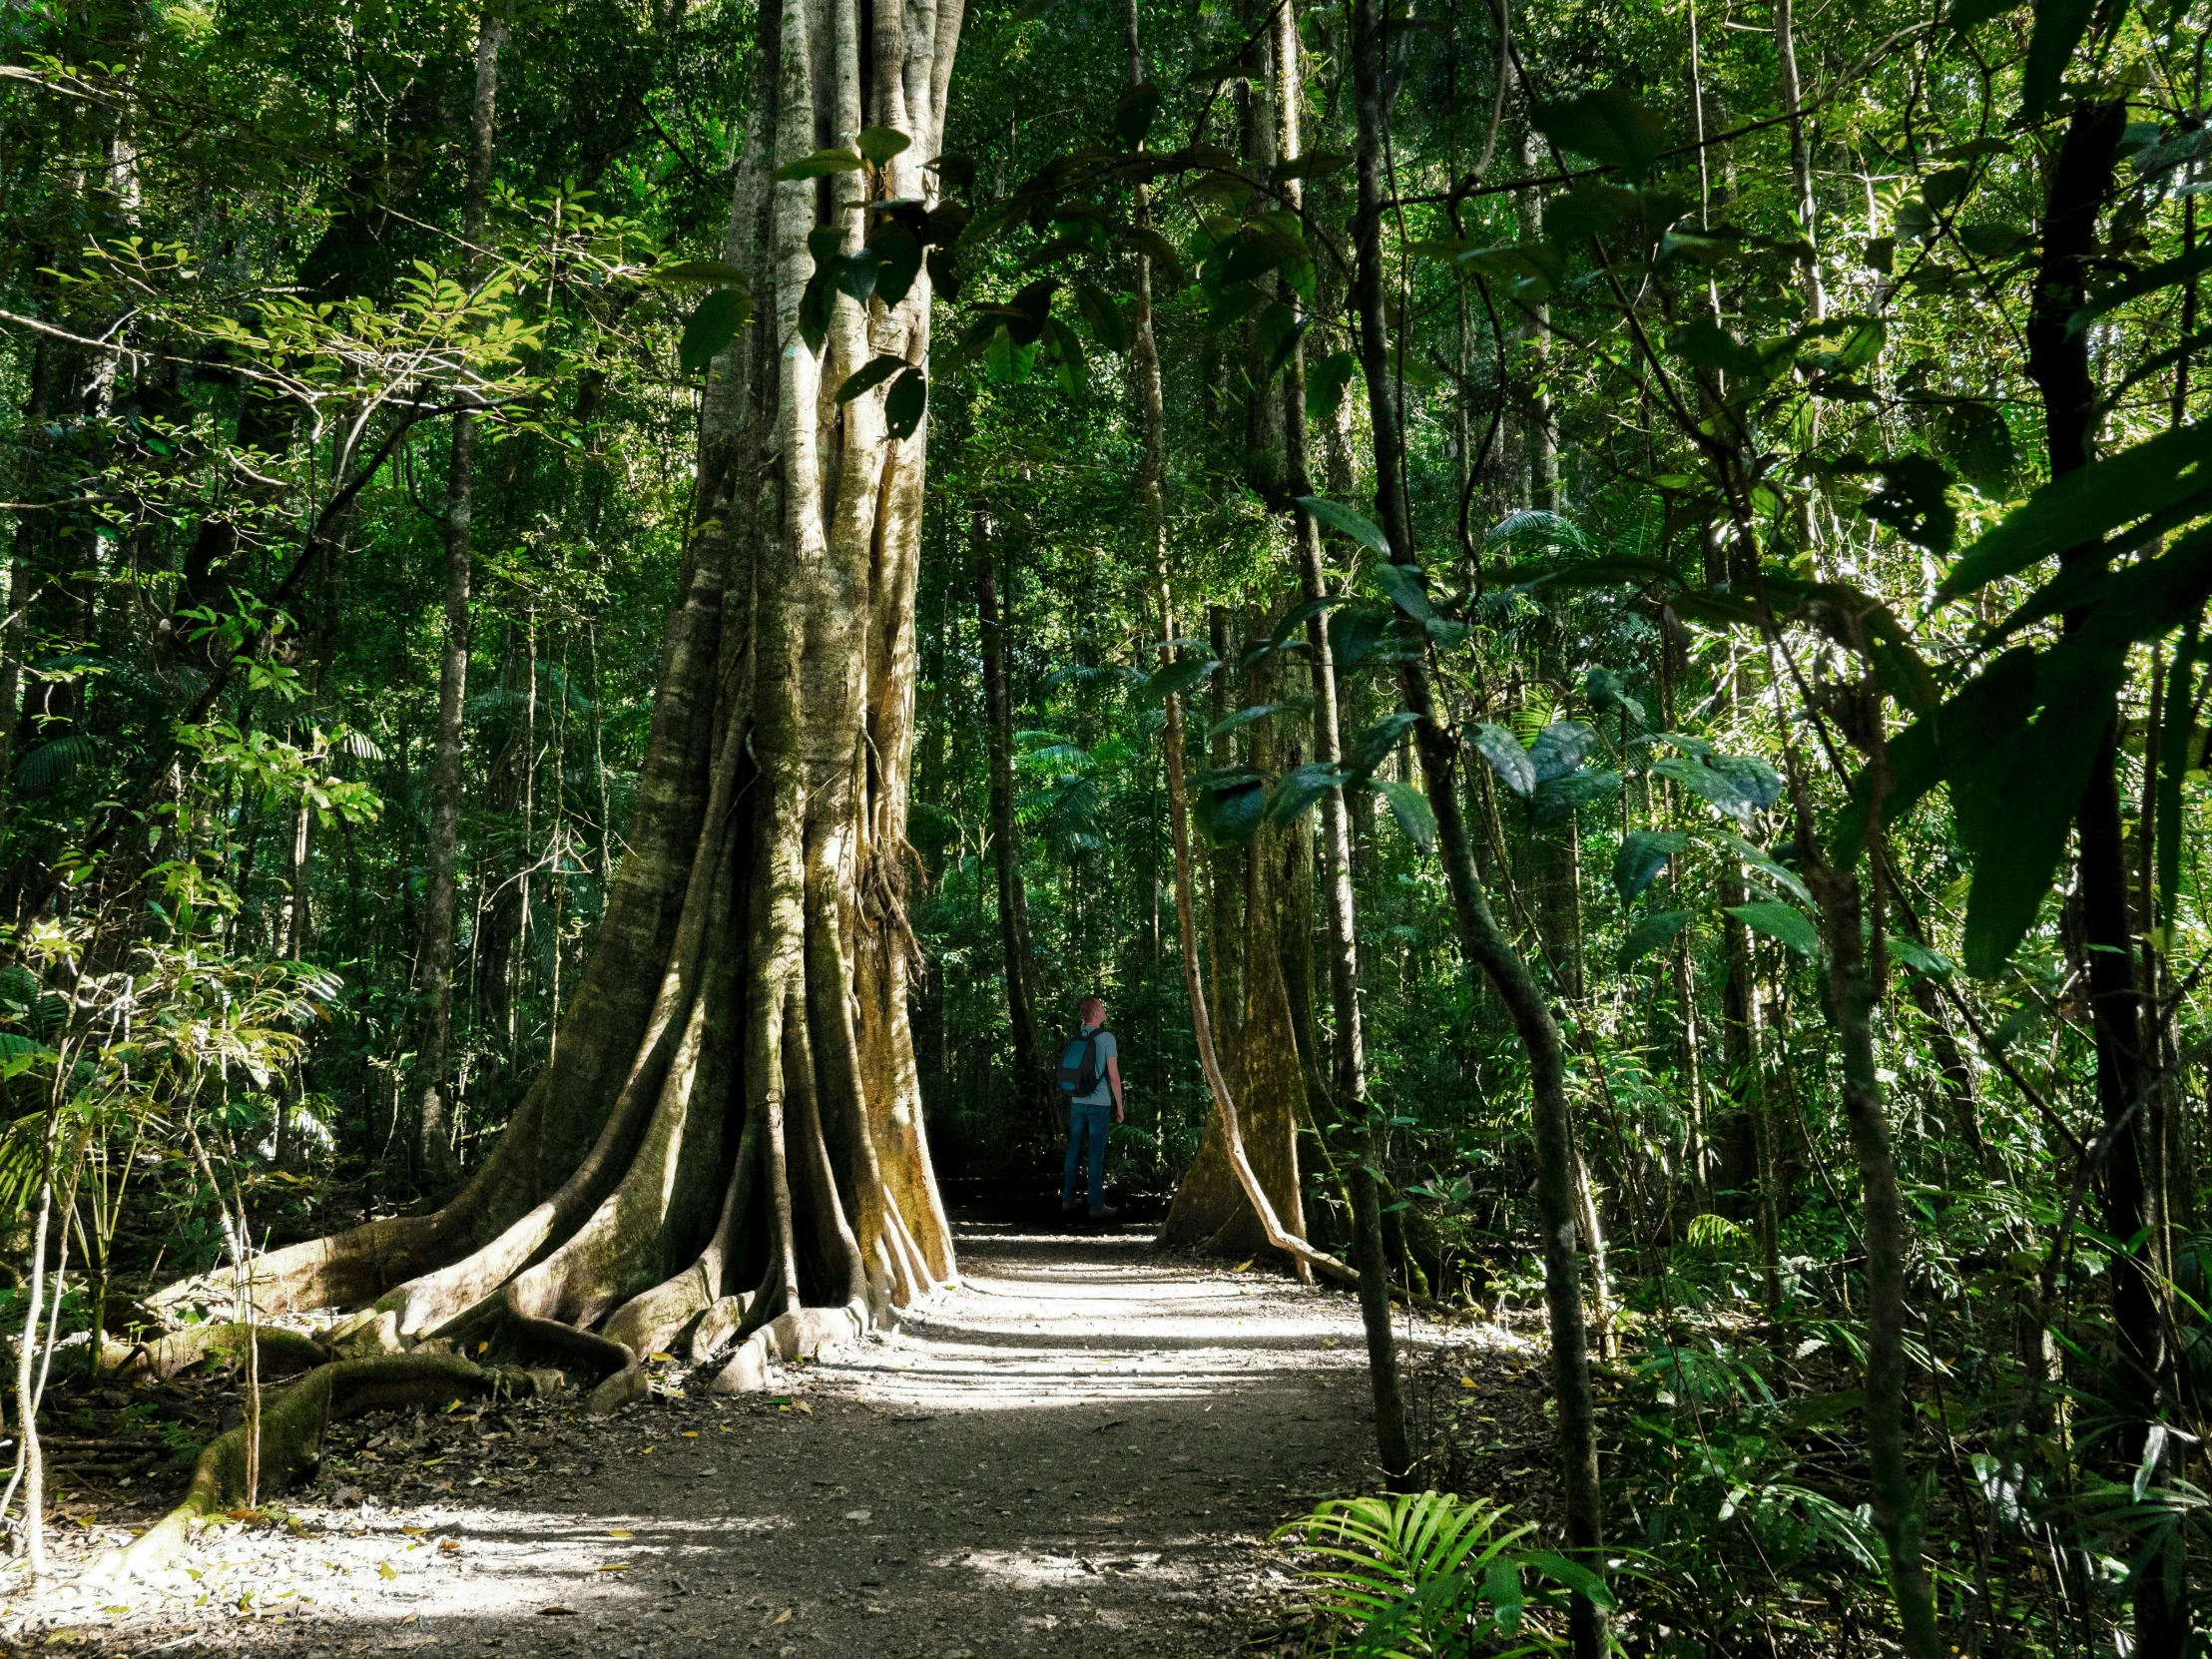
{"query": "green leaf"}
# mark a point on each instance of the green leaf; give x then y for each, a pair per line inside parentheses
(1314, 164)
(1108, 327)
(1912, 500)
(819, 165)
(1230, 809)
(1411, 809)
(813, 310)
(1402, 583)
(1298, 791)
(2173, 760)
(897, 253)
(878, 145)
(1609, 127)
(714, 272)
(1325, 384)
(1172, 679)
(2164, 275)
(1558, 797)
(1643, 854)
(868, 376)
(1243, 717)
(1572, 1574)
(904, 404)
(1559, 749)
(1976, 439)
(2149, 479)
(1769, 869)
(1330, 516)
(1918, 957)
(1652, 933)
(1506, 756)
(1134, 110)
(1374, 746)
(716, 321)
(2059, 26)
(1733, 783)
(1781, 922)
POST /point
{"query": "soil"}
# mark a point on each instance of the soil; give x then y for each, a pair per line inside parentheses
(1081, 1450)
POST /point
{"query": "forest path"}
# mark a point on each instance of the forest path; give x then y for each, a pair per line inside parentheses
(1073, 1452)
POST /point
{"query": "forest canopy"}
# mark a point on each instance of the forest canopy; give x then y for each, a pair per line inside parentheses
(1589, 621)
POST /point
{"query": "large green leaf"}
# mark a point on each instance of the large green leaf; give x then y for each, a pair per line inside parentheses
(1134, 110)
(906, 402)
(1300, 789)
(868, 376)
(1652, 933)
(1557, 796)
(2149, 279)
(898, 253)
(1781, 922)
(1230, 808)
(1609, 127)
(1506, 756)
(1331, 517)
(1559, 749)
(819, 165)
(1643, 854)
(879, 143)
(1402, 583)
(1736, 785)
(717, 320)
(1411, 809)
(2059, 26)
(2147, 480)
(1175, 678)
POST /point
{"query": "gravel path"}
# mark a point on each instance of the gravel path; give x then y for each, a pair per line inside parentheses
(1075, 1452)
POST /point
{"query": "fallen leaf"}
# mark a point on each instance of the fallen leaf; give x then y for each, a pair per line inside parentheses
(619, 1534)
(614, 1566)
(410, 1618)
(691, 1434)
(1467, 1381)
(1245, 1265)
(661, 1358)
(449, 1546)
(385, 1569)
(784, 1617)
(413, 1531)
(804, 1406)
(647, 1453)
(480, 1347)
(556, 1612)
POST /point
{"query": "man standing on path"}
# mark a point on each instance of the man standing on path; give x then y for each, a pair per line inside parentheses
(1090, 1074)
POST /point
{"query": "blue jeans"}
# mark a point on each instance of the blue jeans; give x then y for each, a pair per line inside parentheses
(1087, 1128)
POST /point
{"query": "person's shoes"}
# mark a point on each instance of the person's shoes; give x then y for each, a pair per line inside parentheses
(1106, 1213)
(1071, 1207)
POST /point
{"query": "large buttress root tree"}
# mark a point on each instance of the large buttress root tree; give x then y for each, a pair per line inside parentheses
(728, 1143)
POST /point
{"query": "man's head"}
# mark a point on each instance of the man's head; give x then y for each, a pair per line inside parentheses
(1091, 1010)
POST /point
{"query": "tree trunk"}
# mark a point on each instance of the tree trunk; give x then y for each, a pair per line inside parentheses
(1013, 897)
(2081, 180)
(433, 1106)
(735, 1146)
(1350, 1073)
(1479, 935)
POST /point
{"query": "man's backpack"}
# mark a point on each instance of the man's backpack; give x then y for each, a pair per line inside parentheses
(1081, 1077)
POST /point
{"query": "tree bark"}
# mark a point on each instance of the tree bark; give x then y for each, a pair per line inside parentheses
(1481, 937)
(1348, 1075)
(2080, 181)
(433, 1106)
(734, 1147)
(1013, 894)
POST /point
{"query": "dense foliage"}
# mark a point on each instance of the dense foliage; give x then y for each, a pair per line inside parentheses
(1773, 442)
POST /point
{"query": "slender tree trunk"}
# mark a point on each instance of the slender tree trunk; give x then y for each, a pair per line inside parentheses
(433, 1106)
(1481, 937)
(1801, 153)
(2080, 181)
(1013, 894)
(1350, 1073)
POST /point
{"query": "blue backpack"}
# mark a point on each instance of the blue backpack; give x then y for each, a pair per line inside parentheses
(1079, 1077)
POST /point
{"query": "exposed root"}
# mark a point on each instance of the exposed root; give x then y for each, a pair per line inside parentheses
(293, 1425)
(280, 1353)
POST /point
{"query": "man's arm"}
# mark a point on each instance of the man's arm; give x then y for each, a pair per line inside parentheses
(1113, 1078)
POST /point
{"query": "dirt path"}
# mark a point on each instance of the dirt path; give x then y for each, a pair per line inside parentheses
(1072, 1453)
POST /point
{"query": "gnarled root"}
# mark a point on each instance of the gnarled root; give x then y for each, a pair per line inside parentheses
(293, 1425)
(280, 1353)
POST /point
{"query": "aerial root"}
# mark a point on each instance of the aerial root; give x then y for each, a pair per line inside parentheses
(292, 1424)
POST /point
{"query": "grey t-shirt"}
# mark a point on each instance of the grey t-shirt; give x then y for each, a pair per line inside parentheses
(1103, 1095)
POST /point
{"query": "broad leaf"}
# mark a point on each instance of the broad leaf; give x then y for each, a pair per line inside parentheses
(1330, 516)
(819, 165)
(868, 376)
(1652, 933)
(2146, 480)
(1733, 783)
(2059, 26)
(1298, 791)
(1559, 749)
(879, 143)
(1609, 127)
(1643, 854)
(898, 262)
(906, 403)
(1781, 922)
(1402, 583)
(1557, 796)
(1411, 809)
(1506, 756)
(1133, 113)
(1229, 809)
(718, 319)
(1373, 745)
(1175, 678)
